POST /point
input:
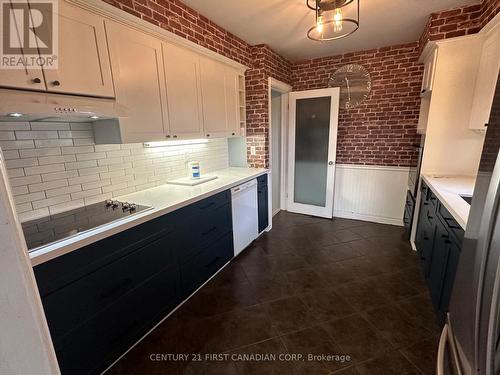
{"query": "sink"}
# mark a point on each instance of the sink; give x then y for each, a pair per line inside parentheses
(466, 198)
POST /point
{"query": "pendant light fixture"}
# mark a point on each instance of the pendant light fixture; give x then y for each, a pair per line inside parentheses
(330, 21)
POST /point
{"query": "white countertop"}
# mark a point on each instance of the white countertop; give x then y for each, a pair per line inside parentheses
(163, 199)
(448, 190)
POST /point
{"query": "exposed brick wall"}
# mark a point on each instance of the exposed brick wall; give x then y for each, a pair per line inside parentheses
(459, 21)
(176, 17)
(382, 129)
(266, 63)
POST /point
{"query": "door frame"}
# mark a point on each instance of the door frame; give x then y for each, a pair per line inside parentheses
(326, 211)
(284, 89)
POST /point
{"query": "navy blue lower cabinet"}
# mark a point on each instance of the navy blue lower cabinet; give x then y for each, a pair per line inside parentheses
(438, 241)
(206, 263)
(100, 299)
(263, 202)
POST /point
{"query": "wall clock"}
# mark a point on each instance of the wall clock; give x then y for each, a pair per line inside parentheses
(355, 84)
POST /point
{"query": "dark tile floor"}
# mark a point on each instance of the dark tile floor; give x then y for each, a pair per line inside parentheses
(309, 286)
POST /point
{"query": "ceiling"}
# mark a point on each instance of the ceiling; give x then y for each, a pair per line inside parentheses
(283, 24)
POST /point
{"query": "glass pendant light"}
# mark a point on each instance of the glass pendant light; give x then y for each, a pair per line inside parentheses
(330, 21)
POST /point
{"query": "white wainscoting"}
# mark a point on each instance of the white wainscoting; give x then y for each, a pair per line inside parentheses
(371, 193)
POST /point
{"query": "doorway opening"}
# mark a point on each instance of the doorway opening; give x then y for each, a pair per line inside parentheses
(278, 138)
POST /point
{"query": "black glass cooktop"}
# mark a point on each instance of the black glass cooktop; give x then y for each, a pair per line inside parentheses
(49, 229)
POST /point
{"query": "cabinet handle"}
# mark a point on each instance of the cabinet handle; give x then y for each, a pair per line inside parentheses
(233, 133)
(175, 136)
(448, 242)
(208, 135)
(124, 332)
(423, 91)
(56, 83)
(37, 80)
(167, 136)
(445, 236)
(116, 288)
(207, 206)
(429, 217)
(209, 231)
(426, 203)
(210, 264)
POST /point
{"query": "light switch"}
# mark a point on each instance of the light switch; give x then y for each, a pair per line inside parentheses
(253, 150)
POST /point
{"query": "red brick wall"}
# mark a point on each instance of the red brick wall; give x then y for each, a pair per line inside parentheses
(382, 129)
(459, 21)
(176, 17)
(266, 63)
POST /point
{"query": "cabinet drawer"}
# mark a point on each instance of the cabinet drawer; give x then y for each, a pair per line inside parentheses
(205, 205)
(450, 222)
(61, 271)
(424, 192)
(262, 181)
(102, 339)
(203, 265)
(69, 307)
(205, 229)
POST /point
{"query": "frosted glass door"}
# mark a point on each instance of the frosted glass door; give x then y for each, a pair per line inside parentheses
(313, 134)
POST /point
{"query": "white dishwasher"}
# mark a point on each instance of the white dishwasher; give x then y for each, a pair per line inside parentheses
(245, 215)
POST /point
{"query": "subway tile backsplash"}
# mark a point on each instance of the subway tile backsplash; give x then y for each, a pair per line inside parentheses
(56, 166)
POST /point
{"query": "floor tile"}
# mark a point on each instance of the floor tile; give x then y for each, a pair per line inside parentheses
(363, 294)
(290, 314)
(396, 326)
(357, 337)
(304, 280)
(314, 344)
(423, 355)
(248, 362)
(325, 304)
(393, 363)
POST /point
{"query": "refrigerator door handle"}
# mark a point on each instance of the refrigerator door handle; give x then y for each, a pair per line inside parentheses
(441, 349)
(445, 339)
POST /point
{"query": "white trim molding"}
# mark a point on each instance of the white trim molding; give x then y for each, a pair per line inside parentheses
(111, 12)
(370, 193)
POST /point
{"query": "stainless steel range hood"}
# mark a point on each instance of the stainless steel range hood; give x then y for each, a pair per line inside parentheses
(18, 105)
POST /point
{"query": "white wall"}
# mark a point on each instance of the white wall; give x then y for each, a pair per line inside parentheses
(25, 346)
(371, 193)
(54, 167)
(276, 150)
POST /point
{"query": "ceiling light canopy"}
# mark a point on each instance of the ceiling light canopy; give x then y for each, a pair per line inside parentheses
(330, 21)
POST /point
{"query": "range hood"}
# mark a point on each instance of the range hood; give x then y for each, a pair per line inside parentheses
(16, 105)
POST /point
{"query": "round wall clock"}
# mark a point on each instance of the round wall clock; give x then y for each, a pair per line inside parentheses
(355, 84)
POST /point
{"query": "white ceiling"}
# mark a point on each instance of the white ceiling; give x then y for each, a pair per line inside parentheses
(283, 24)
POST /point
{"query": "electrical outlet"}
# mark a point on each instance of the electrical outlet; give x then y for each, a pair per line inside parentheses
(253, 150)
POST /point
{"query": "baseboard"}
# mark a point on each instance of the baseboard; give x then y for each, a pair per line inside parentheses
(373, 219)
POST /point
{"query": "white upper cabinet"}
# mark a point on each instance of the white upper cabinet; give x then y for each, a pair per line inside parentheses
(486, 80)
(429, 70)
(138, 75)
(83, 61)
(213, 88)
(182, 75)
(219, 86)
(31, 79)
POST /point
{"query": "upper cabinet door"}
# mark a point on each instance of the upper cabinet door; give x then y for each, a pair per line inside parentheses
(182, 68)
(83, 61)
(232, 101)
(486, 81)
(136, 62)
(429, 69)
(31, 79)
(213, 88)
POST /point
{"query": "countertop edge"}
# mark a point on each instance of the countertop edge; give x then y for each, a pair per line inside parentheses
(442, 198)
(49, 252)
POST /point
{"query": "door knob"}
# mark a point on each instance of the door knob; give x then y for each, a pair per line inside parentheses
(56, 83)
(330, 162)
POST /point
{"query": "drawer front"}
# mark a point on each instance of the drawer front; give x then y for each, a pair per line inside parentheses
(67, 268)
(203, 230)
(262, 181)
(205, 205)
(263, 208)
(424, 192)
(69, 307)
(102, 339)
(202, 266)
(450, 222)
